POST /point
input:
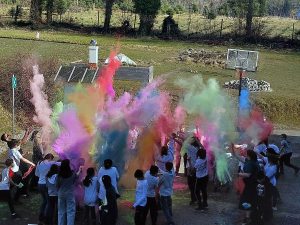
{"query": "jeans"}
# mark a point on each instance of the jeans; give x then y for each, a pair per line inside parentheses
(191, 179)
(51, 209)
(44, 193)
(140, 215)
(7, 196)
(286, 159)
(201, 185)
(66, 210)
(152, 205)
(166, 205)
(89, 210)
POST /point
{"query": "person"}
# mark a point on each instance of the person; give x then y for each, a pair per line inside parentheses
(140, 198)
(5, 186)
(178, 145)
(9, 140)
(52, 194)
(249, 174)
(17, 157)
(165, 156)
(191, 172)
(261, 148)
(37, 149)
(109, 207)
(41, 172)
(91, 187)
(165, 185)
(201, 179)
(286, 154)
(152, 181)
(262, 208)
(65, 183)
(110, 170)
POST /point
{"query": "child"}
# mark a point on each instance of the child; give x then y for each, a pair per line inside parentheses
(90, 184)
(140, 198)
(201, 179)
(51, 176)
(109, 208)
(165, 156)
(165, 185)
(152, 181)
(5, 190)
(286, 154)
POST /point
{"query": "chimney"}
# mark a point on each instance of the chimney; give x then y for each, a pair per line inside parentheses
(93, 55)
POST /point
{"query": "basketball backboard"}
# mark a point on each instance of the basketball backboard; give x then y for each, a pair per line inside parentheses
(242, 59)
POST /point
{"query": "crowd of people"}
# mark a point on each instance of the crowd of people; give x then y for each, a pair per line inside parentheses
(56, 180)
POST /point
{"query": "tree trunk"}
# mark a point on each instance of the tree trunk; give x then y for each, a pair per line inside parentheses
(108, 13)
(50, 9)
(36, 11)
(146, 24)
(249, 18)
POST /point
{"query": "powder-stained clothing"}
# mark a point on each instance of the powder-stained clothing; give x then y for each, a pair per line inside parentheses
(166, 183)
(4, 184)
(43, 168)
(141, 193)
(152, 184)
(114, 176)
(91, 193)
(192, 156)
(16, 156)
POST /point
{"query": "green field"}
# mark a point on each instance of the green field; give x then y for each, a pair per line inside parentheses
(280, 68)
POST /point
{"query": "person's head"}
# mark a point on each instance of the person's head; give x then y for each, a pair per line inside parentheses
(283, 136)
(195, 142)
(106, 181)
(14, 143)
(261, 176)
(34, 135)
(5, 137)
(154, 170)
(9, 162)
(139, 175)
(90, 173)
(164, 150)
(251, 155)
(108, 164)
(201, 153)
(54, 169)
(173, 135)
(65, 169)
(49, 157)
(169, 166)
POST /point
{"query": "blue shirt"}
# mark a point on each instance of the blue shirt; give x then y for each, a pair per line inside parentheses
(66, 186)
(166, 184)
(152, 184)
(91, 193)
(51, 185)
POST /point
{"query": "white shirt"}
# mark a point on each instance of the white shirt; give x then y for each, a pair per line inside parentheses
(262, 148)
(43, 168)
(91, 193)
(141, 193)
(16, 156)
(270, 171)
(201, 168)
(4, 184)
(114, 176)
(161, 161)
(191, 156)
(152, 184)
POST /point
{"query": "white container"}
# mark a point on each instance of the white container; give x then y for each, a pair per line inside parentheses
(93, 55)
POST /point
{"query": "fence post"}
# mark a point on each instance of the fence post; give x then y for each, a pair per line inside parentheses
(293, 32)
(98, 18)
(221, 28)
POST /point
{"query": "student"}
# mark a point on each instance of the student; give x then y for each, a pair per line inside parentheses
(165, 185)
(152, 181)
(5, 186)
(65, 183)
(165, 156)
(179, 142)
(109, 208)
(41, 171)
(140, 198)
(90, 184)
(52, 194)
(9, 140)
(286, 154)
(201, 179)
(111, 171)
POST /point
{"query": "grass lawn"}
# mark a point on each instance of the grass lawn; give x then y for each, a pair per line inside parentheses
(280, 68)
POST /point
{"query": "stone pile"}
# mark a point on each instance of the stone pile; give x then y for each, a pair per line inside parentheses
(251, 84)
(213, 58)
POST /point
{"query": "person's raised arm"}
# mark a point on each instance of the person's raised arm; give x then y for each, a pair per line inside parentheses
(233, 150)
(27, 161)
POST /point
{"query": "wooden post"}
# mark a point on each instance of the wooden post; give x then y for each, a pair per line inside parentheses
(221, 28)
(293, 32)
(134, 21)
(98, 18)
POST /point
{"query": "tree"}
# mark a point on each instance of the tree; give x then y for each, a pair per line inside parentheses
(147, 10)
(61, 7)
(108, 12)
(36, 8)
(249, 18)
(49, 9)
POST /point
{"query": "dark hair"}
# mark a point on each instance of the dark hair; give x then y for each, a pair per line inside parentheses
(49, 156)
(252, 155)
(261, 175)
(89, 175)
(106, 181)
(201, 153)
(65, 169)
(153, 170)
(195, 142)
(174, 135)
(3, 137)
(54, 169)
(169, 166)
(284, 136)
(164, 150)
(108, 163)
(33, 136)
(138, 174)
(13, 143)
(8, 162)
